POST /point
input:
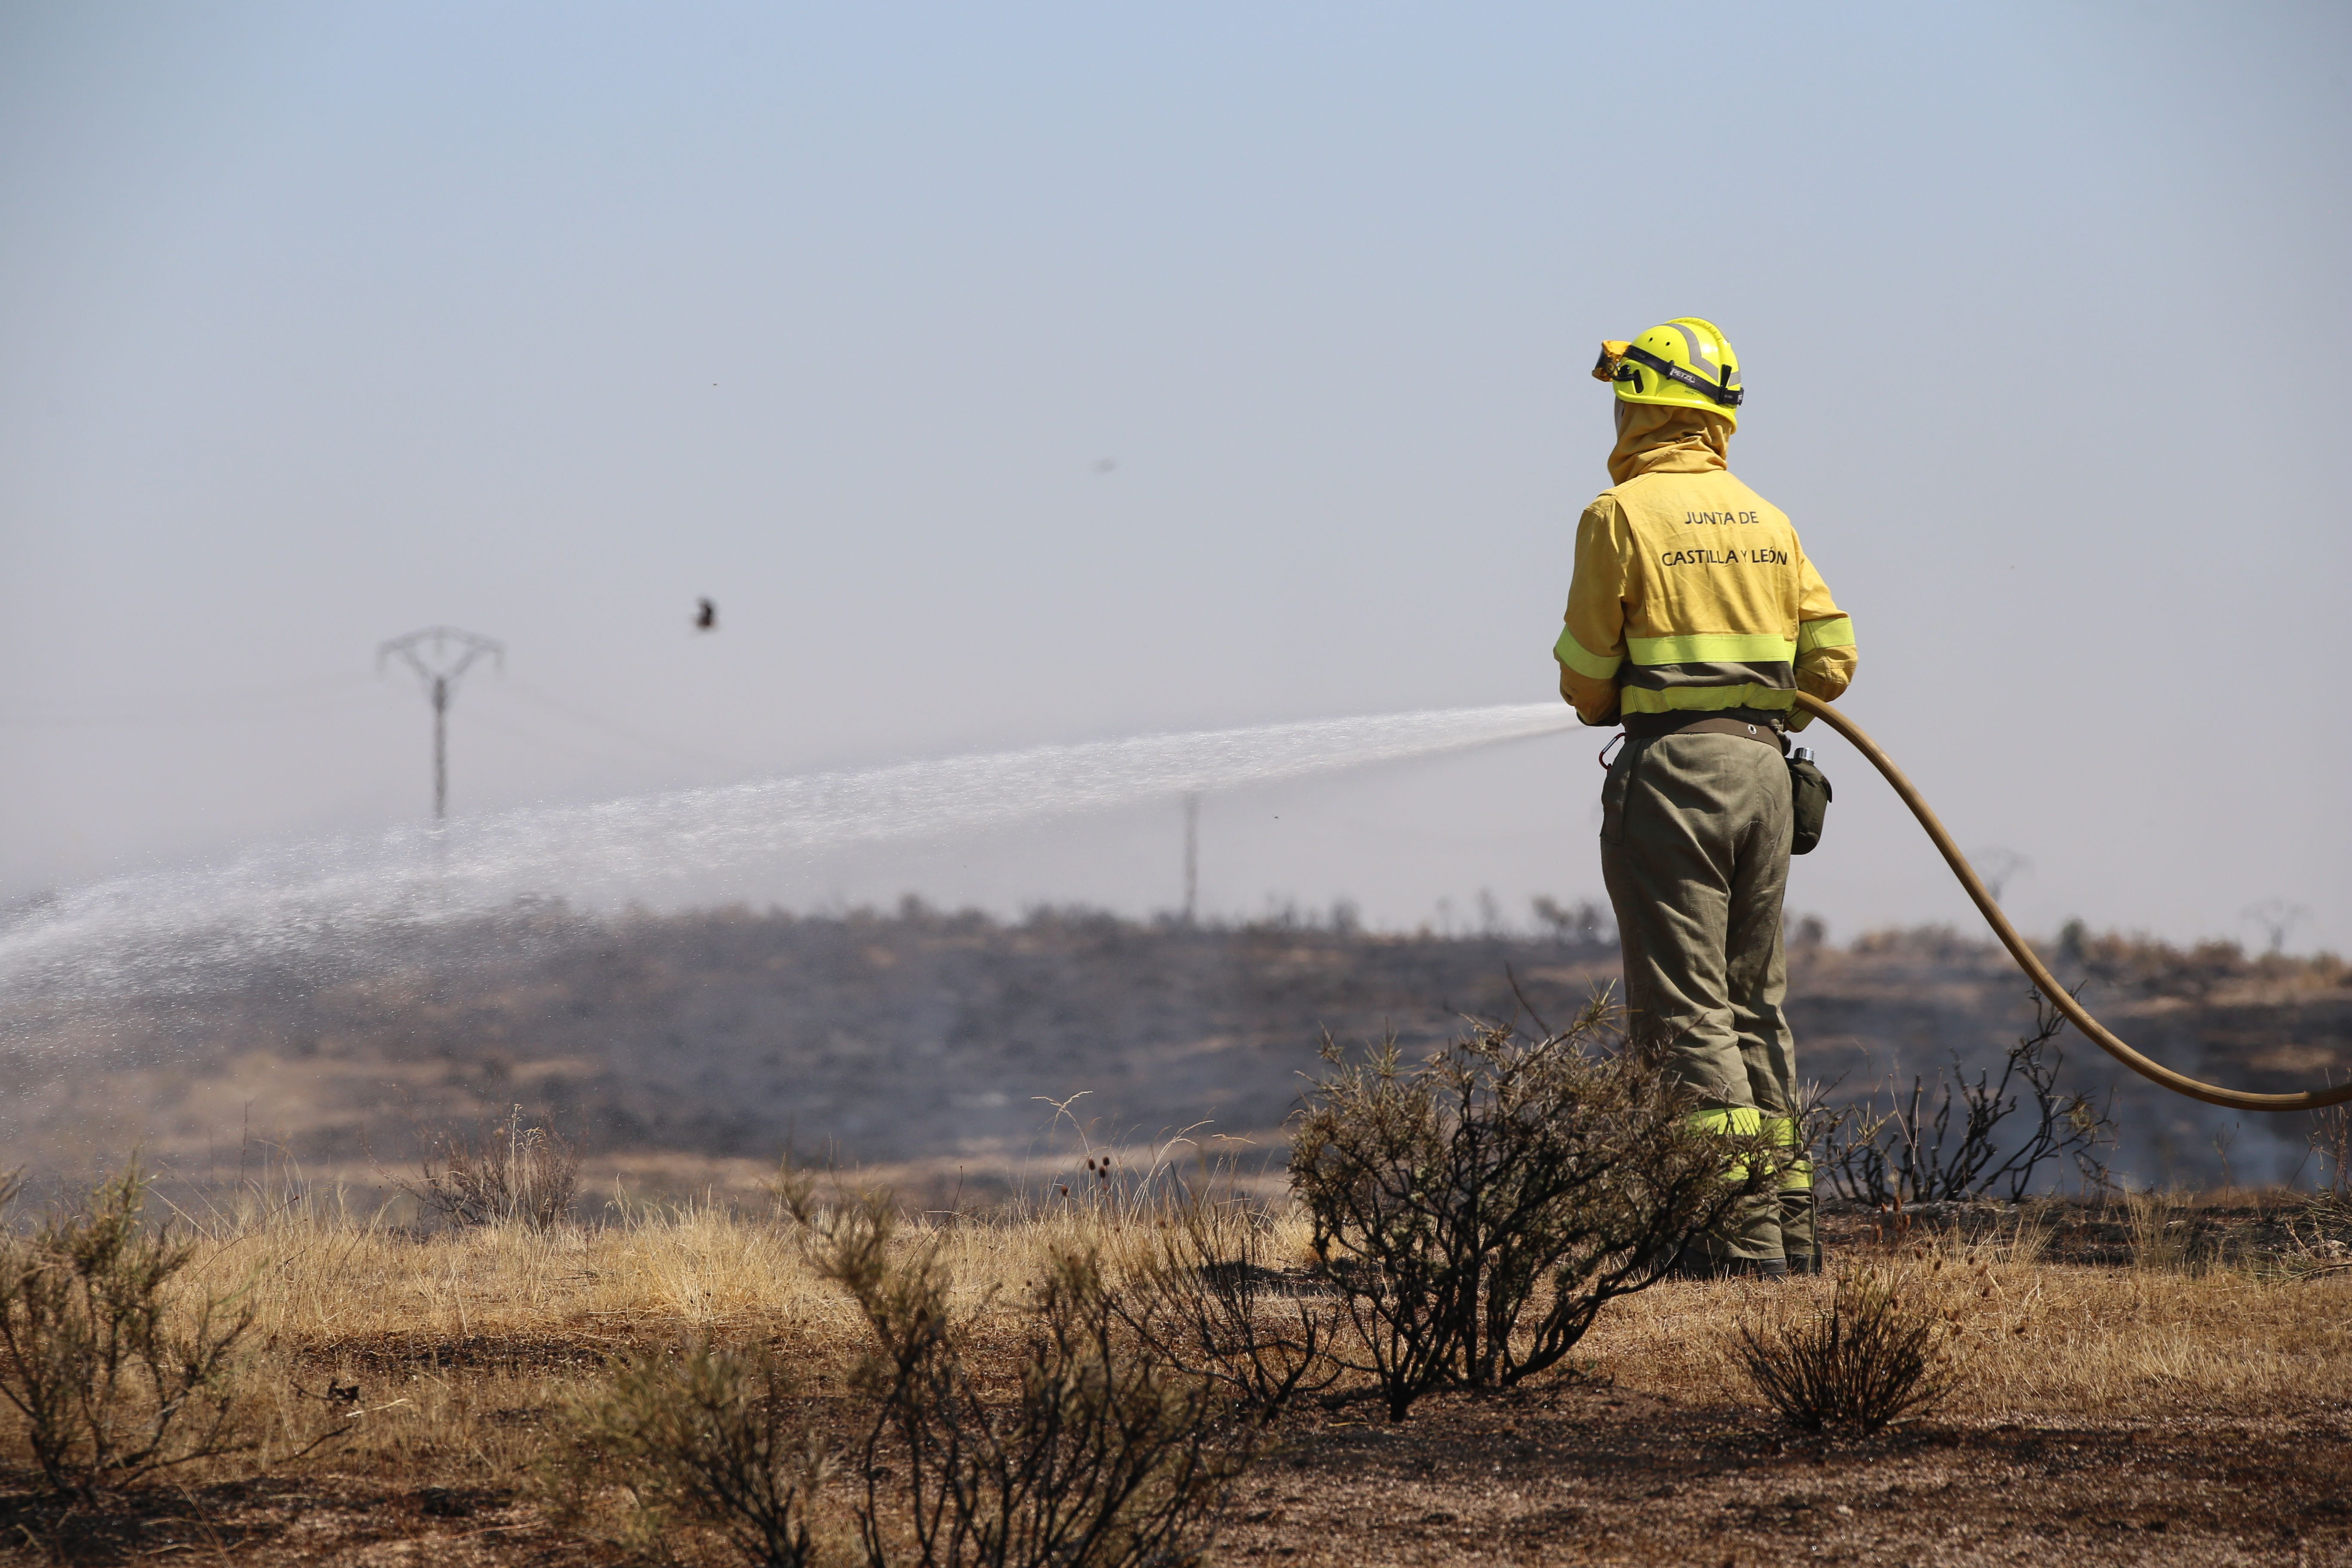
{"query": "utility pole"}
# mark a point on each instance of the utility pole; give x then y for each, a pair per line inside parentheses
(440, 656)
(1191, 854)
(2279, 917)
(1998, 866)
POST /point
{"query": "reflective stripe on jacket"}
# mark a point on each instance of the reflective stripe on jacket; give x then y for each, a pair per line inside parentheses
(1691, 590)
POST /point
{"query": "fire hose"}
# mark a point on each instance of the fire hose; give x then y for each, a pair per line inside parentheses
(2028, 960)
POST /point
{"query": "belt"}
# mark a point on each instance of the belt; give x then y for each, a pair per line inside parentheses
(1749, 723)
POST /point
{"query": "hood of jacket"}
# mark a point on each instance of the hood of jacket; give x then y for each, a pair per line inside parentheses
(1662, 438)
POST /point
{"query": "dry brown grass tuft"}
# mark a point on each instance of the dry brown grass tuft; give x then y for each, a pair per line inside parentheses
(517, 1172)
(438, 1367)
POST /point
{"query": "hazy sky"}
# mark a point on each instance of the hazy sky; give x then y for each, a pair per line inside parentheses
(1021, 373)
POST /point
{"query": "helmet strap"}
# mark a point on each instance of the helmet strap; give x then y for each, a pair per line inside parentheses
(1727, 396)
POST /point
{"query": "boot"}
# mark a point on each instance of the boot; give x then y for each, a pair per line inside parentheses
(1694, 1264)
(1800, 1234)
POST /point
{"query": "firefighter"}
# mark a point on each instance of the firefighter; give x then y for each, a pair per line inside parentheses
(1693, 619)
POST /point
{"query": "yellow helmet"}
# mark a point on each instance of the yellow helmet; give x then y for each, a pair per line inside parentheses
(1686, 361)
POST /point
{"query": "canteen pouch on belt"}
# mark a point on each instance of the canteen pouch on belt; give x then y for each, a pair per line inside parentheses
(1809, 794)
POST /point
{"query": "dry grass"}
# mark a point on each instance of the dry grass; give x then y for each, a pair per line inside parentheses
(2041, 1342)
(464, 1343)
(365, 1302)
(330, 1288)
(465, 1347)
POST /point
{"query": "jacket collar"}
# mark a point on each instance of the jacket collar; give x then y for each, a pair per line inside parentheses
(1660, 438)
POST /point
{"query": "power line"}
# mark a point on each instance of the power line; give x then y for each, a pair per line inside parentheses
(558, 707)
(440, 656)
(227, 704)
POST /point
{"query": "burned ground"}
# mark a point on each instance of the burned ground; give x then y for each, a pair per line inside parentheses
(668, 1047)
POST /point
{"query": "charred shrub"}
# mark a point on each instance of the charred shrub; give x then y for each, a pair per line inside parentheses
(516, 1173)
(1206, 1301)
(1962, 1142)
(1100, 1454)
(118, 1365)
(710, 1439)
(1083, 1448)
(1480, 1208)
(1875, 1354)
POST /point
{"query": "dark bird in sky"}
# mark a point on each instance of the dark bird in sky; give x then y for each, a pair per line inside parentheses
(706, 615)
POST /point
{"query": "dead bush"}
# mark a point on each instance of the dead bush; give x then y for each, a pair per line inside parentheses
(1479, 1209)
(711, 1438)
(1584, 924)
(1206, 1301)
(1911, 1150)
(116, 1367)
(1098, 1455)
(2330, 1137)
(1873, 1355)
(517, 1172)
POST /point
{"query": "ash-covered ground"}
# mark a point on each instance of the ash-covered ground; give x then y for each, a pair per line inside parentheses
(878, 1038)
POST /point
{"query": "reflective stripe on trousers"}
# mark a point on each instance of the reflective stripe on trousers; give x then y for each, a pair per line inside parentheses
(1747, 1121)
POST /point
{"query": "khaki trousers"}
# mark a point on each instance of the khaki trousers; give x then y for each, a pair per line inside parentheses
(1694, 849)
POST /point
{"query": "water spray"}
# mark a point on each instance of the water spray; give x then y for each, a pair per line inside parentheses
(323, 907)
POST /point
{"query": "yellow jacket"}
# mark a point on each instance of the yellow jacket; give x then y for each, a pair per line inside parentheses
(1691, 590)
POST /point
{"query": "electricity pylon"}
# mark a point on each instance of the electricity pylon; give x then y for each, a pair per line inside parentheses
(440, 656)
